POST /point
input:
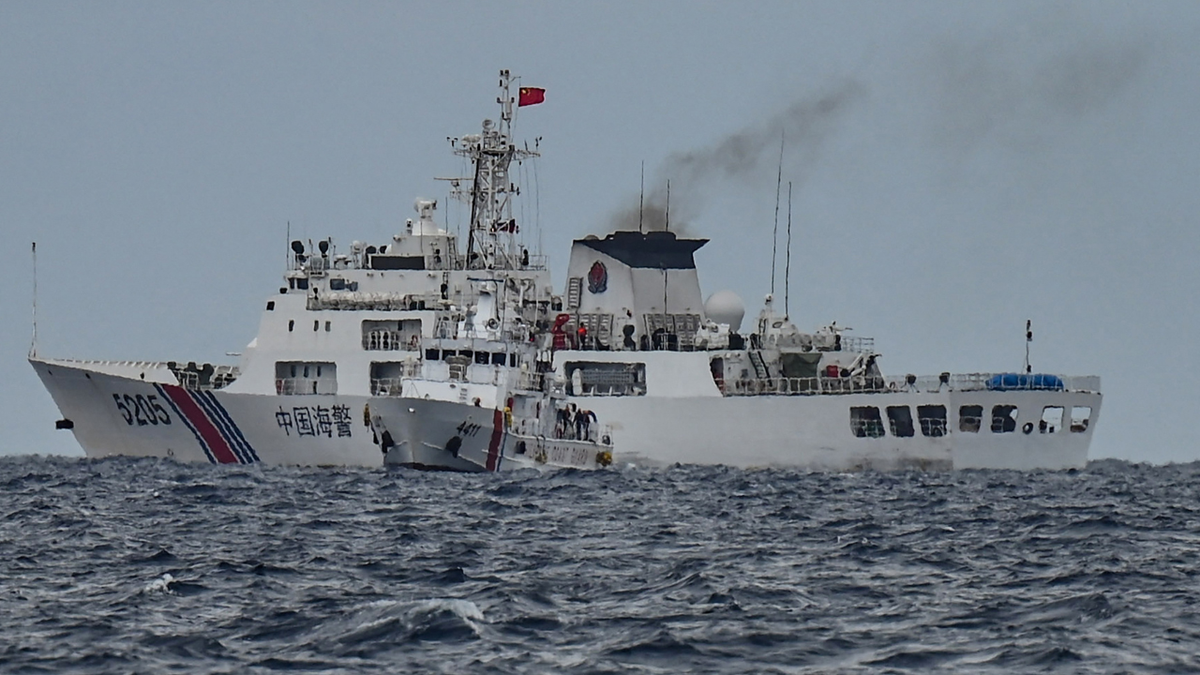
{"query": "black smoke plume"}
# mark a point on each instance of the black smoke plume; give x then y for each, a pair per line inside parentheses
(747, 157)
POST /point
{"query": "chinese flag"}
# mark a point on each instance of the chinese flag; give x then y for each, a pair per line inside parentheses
(531, 96)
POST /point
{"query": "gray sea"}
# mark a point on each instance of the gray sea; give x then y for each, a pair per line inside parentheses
(150, 566)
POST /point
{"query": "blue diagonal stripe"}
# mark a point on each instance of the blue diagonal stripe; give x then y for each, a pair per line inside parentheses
(235, 432)
(186, 422)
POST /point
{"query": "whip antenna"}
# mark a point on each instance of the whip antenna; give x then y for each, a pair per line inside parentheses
(642, 198)
(668, 215)
(775, 232)
(787, 268)
(1028, 341)
(33, 344)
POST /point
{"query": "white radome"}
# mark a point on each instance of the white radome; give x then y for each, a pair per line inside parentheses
(726, 307)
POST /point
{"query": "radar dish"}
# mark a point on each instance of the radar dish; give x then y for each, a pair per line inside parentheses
(726, 307)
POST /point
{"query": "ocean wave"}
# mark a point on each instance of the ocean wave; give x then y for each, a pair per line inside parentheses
(149, 565)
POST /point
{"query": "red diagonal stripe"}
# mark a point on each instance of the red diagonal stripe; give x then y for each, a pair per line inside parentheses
(494, 447)
(211, 435)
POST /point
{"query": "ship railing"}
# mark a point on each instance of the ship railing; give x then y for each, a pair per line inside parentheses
(390, 340)
(386, 386)
(987, 382)
(853, 343)
(567, 430)
(203, 378)
(373, 301)
(531, 381)
(797, 386)
(813, 386)
(299, 386)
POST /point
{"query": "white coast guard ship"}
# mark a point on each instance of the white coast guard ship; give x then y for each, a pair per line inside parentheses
(678, 381)
(342, 328)
(479, 399)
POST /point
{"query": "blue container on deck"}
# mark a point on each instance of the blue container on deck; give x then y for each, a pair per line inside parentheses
(1006, 381)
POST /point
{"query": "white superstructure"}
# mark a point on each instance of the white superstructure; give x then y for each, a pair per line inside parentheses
(344, 326)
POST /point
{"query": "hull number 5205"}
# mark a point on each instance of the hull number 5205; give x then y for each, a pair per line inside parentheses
(141, 410)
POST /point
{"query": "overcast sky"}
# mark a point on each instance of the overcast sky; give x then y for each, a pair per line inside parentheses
(957, 168)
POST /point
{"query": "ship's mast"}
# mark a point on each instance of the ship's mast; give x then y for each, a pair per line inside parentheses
(492, 239)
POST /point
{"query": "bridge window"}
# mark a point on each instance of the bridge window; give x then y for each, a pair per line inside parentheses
(970, 418)
(1052, 419)
(900, 420)
(305, 377)
(386, 378)
(1081, 416)
(932, 419)
(1004, 419)
(865, 422)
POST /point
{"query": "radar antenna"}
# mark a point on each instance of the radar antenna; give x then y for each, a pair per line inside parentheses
(492, 237)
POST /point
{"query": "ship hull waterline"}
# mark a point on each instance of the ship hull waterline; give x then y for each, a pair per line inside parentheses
(815, 433)
(430, 434)
(116, 415)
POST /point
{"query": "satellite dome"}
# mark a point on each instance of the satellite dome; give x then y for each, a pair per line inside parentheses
(725, 307)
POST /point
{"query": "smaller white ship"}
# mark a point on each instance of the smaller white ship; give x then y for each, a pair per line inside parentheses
(481, 399)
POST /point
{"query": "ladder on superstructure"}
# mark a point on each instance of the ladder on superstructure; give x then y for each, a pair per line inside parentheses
(760, 366)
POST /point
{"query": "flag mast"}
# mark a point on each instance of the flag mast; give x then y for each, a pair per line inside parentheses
(491, 239)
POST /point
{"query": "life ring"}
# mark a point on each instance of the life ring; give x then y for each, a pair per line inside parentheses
(1028, 428)
(892, 386)
(492, 324)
